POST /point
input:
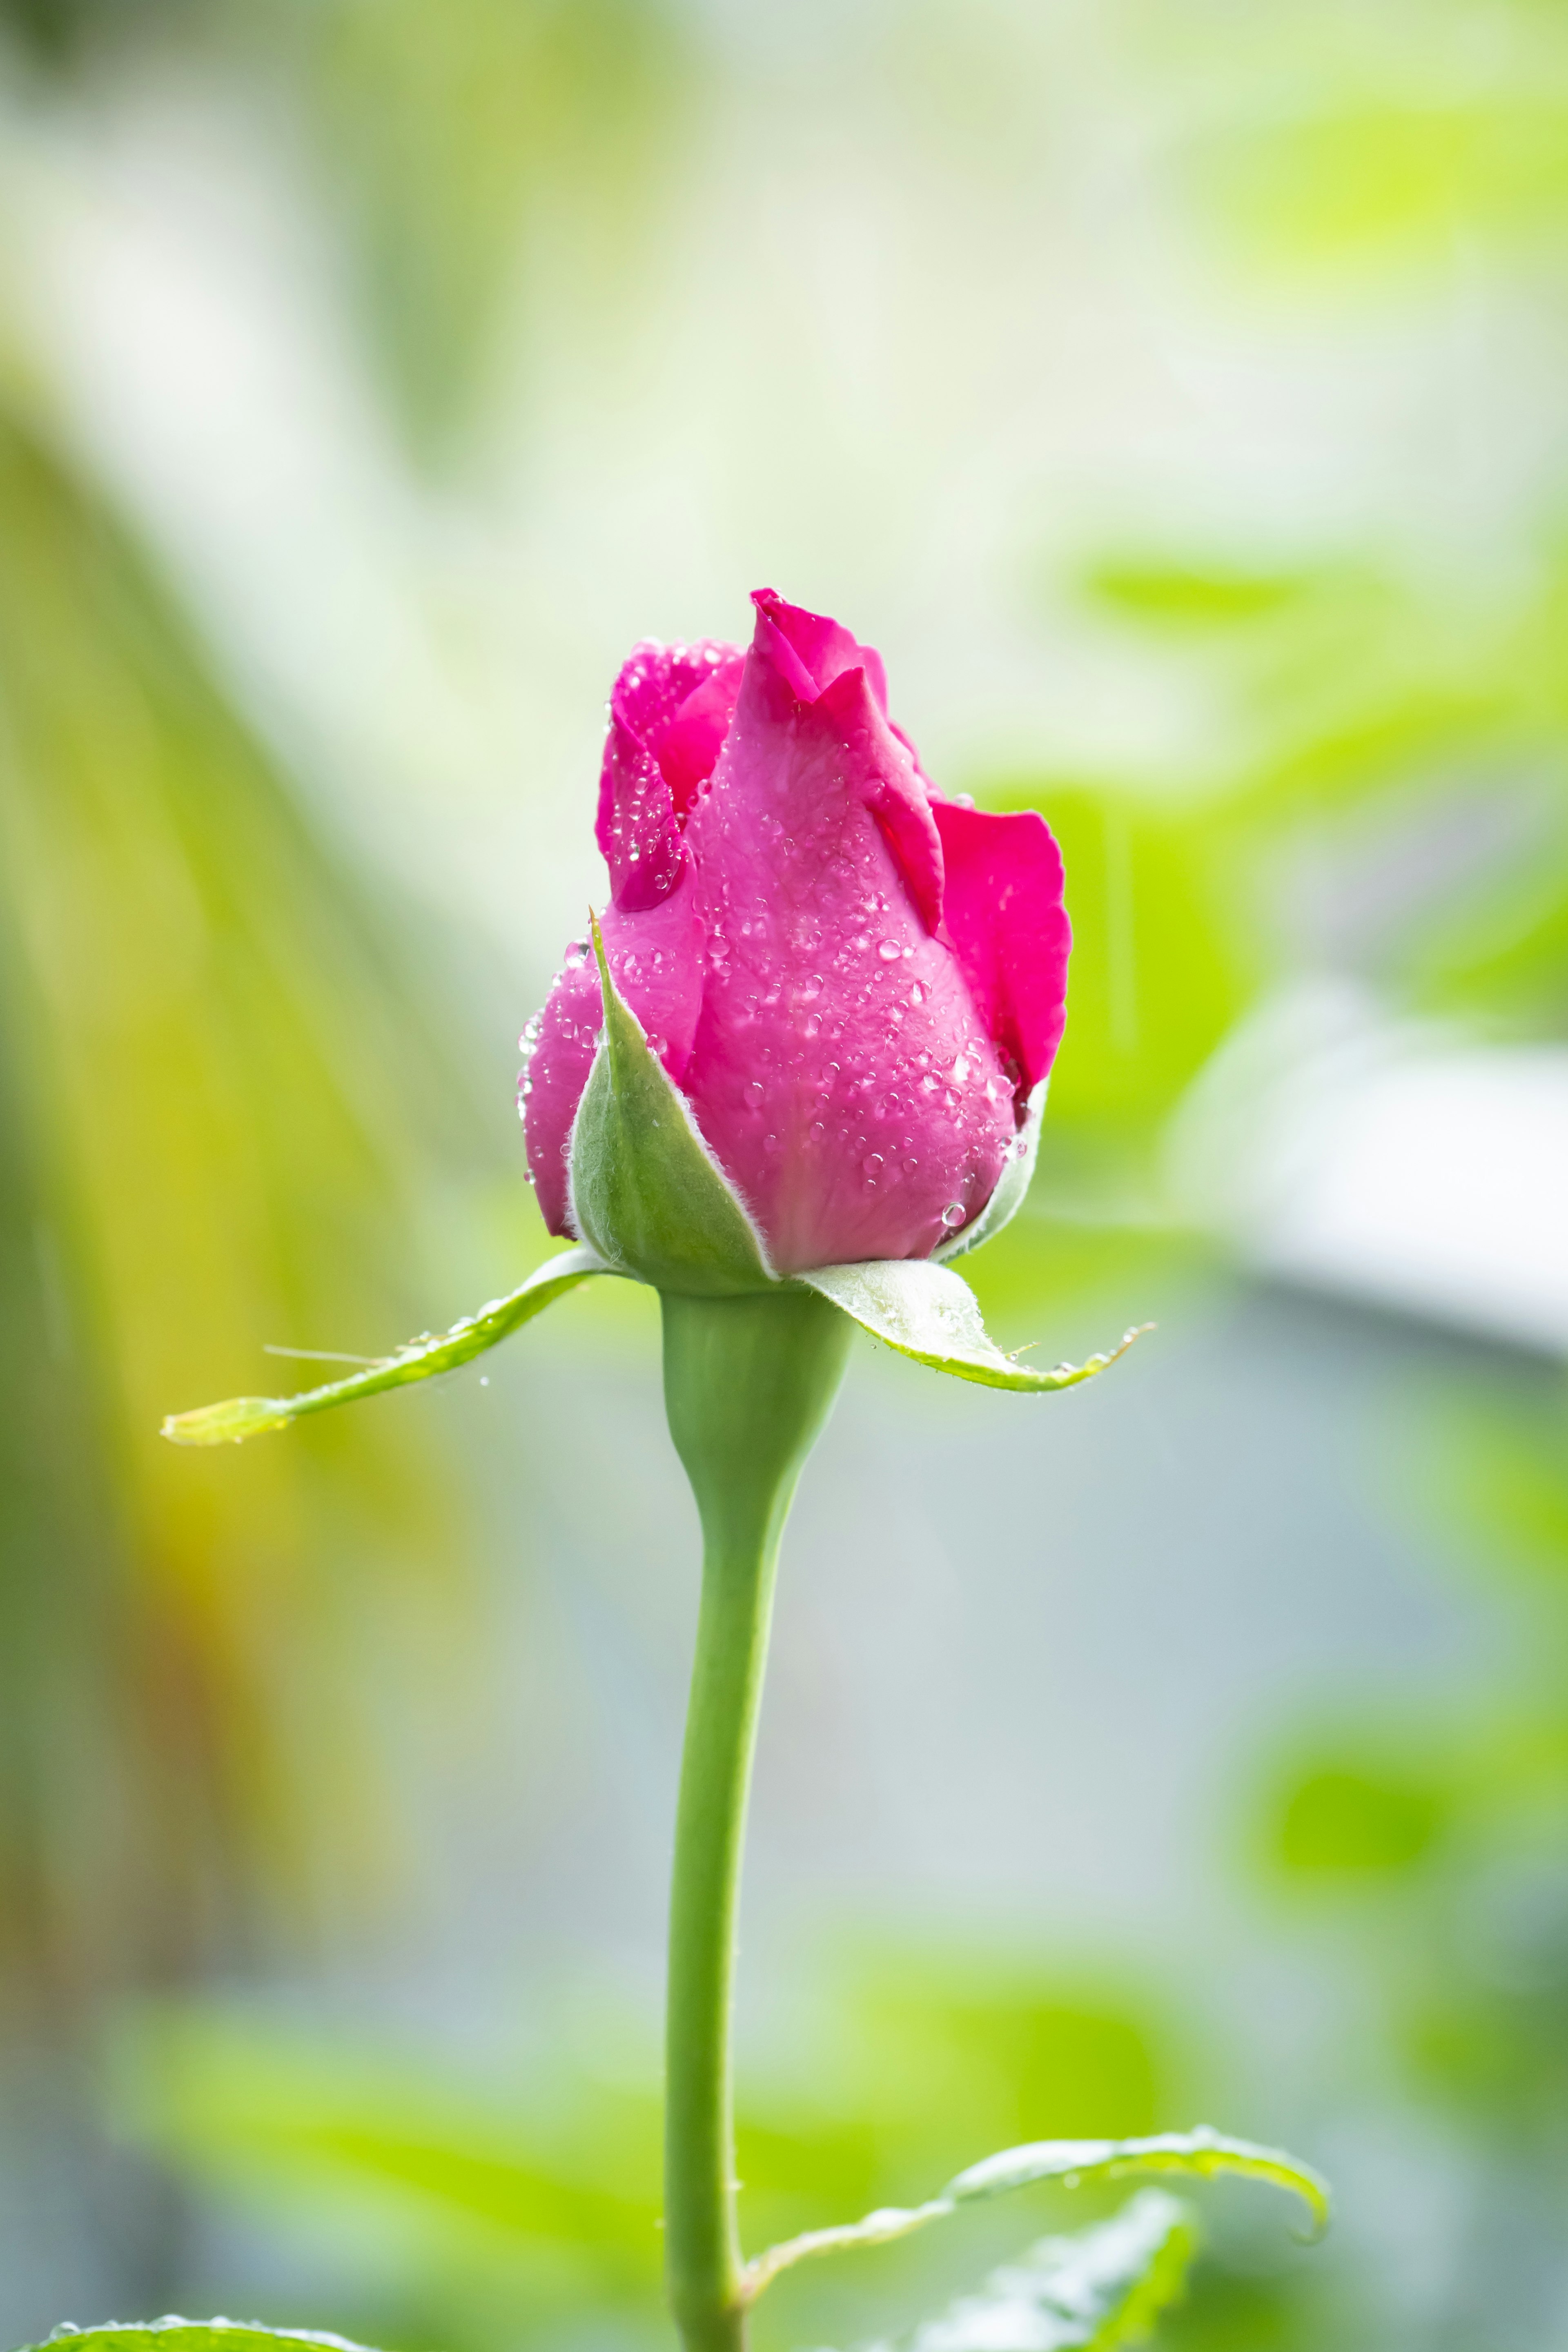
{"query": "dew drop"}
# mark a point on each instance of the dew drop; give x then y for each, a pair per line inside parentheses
(954, 1215)
(576, 955)
(889, 951)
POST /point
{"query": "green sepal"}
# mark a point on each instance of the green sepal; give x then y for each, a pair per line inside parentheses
(173, 2335)
(1076, 2163)
(1017, 1175)
(928, 1312)
(237, 1418)
(1103, 2287)
(645, 1191)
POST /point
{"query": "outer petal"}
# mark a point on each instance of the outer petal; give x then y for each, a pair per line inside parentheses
(1002, 909)
(841, 1070)
(806, 658)
(656, 959)
(670, 711)
(687, 748)
(812, 651)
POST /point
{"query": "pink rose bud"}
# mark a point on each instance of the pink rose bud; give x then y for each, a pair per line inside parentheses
(857, 984)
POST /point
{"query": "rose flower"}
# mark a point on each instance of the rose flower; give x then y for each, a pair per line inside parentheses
(857, 985)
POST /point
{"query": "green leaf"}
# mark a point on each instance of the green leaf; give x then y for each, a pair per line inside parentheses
(1103, 2287)
(241, 1417)
(931, 1314)
(187, 2336)
(1012, 1185)
(646, 1192)
(1200, 2154)
(1076, 2163)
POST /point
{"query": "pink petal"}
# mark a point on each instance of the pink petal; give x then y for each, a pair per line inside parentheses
(674, 696)
(656, 958)
(687, 748)
(812, 650)
(840, 1069)
(1002, 909)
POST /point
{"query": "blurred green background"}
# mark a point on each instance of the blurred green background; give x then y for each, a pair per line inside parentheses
(1178, 394)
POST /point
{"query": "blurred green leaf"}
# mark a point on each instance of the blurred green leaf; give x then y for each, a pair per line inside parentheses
(473, 141)
(1174, 594)
(1345, 1819)
(1105, 2286)
(1144, 905)
(191, 2335)
(226, 1109)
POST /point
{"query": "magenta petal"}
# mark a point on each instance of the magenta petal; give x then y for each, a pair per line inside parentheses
(840, 692)
(674, 696)
(687, 748)
(638, 829)
(1001, 907)
(656, 958)
(819, 649)
(889, 785)
(840, 1069)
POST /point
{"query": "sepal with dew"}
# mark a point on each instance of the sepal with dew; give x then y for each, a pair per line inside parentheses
(1011, 1187)
(646, 1191)
(237, 1418)
(928, 1312)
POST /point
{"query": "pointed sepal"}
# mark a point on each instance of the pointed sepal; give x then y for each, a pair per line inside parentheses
(646, 1191)
(928, 1312)
(1012, 1185)
(237, 1418)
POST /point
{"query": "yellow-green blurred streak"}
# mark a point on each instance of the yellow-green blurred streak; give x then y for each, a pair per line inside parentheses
(1345, 144)
(220, 1102)
(466, 143)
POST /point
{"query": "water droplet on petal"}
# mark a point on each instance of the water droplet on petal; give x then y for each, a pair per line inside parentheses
(954, 1215)
(889, 951)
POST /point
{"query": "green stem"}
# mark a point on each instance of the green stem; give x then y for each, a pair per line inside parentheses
(748, 1384)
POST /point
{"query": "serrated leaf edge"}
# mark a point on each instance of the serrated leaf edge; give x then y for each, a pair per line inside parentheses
(1203, 2152)
(983, 1364)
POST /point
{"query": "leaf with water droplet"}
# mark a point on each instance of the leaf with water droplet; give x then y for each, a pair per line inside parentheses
(1198, 2154)
(928, 1312)
(173, 2335)
(420, 1360)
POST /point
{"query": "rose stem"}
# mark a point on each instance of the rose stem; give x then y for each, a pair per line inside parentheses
(748, 1384)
